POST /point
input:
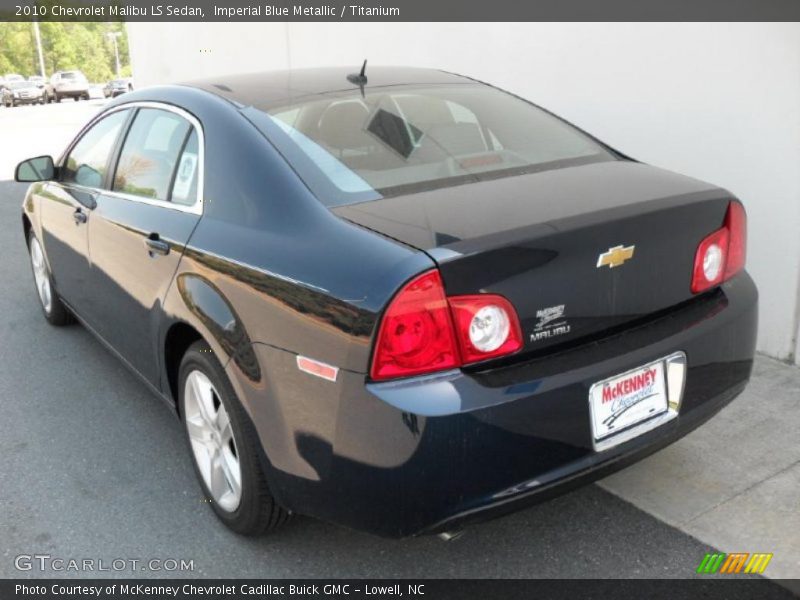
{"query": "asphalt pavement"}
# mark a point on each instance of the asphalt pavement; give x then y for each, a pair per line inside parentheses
(95, 468)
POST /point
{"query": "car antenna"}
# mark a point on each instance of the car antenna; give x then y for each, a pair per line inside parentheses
(360, 79)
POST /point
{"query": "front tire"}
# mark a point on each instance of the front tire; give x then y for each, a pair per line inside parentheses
(224, 446)
(53, 308)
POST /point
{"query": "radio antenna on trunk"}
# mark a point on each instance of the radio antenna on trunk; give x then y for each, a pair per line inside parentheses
(359, 79)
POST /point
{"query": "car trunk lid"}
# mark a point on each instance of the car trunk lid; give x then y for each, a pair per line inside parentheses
(578, 251)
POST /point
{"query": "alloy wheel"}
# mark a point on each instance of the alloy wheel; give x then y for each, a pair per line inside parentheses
(212, 440)
(41, 276)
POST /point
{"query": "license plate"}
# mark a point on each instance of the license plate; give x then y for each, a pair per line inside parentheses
(625, 400)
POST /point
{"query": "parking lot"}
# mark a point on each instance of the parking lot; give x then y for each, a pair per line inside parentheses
(94, 467)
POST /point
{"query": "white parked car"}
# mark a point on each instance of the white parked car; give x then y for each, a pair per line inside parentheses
(67, 84)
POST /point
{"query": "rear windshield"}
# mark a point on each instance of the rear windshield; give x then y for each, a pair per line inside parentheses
(350, 147)
(73, 75)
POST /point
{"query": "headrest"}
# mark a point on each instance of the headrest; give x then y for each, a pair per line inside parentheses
(425, 111)
(342, 125)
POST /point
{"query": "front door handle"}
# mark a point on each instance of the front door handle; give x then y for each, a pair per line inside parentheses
(155, 245)
(79, 216)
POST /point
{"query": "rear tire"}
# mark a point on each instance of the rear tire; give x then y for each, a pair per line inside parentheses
(224, 444)
(52, 307)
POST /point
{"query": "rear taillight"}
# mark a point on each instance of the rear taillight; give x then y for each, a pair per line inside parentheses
(486, 327)
(721, 255)
(424, 331)
(416, 334)
(736, 224)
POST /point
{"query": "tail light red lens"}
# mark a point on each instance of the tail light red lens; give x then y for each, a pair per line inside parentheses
(416, 334)
(721, 255)
(736, 224)
(423, 330)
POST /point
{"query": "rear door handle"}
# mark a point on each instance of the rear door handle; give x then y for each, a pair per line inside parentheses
(156, 245)
(79, 216)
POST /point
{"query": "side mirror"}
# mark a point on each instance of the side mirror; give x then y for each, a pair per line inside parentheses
(40, 168)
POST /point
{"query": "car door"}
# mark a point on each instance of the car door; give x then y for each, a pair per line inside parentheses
(140, 227)
(66, 206)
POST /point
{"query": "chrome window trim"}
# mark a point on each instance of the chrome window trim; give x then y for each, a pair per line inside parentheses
(197, 207)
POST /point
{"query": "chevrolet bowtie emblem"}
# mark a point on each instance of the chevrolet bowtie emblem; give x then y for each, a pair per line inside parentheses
(615, 256)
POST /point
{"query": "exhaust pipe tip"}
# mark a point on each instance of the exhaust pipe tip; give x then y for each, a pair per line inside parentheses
(450, 536)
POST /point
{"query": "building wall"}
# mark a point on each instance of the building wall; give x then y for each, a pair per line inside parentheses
(718, 101)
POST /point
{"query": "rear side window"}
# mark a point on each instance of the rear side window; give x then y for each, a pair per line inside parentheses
(184, 188)
(155, 153)
(88, 160)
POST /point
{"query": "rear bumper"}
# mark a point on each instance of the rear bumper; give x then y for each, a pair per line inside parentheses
(72, 92)
(582, 472)
(435, 453)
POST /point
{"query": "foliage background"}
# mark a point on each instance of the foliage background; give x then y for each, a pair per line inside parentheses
(83, 46)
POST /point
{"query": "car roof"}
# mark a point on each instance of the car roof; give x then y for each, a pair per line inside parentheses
(272, 89)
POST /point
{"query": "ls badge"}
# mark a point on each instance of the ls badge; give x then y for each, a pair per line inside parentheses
(615, 256)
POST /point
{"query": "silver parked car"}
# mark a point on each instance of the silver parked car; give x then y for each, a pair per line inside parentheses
(21, 92)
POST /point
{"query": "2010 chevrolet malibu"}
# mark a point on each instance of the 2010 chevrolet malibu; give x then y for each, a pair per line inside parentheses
(400, 300)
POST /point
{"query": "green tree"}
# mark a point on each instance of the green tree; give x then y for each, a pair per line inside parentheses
(65, 46)
(16, 45)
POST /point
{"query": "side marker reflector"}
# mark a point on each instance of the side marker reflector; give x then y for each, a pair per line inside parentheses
(315, 367)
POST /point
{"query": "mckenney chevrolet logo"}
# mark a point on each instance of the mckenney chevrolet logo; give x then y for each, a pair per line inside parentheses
(615, 256)
(736, 562)
(635, 383)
